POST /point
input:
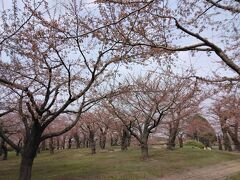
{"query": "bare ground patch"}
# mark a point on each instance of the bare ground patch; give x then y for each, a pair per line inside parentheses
(214, 172)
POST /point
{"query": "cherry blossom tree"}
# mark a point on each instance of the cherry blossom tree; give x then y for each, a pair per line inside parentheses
(146, 104)
(166, 27)
(187, 104)
(226, 110)
(199, 129)
(53, 67)
(90, 126)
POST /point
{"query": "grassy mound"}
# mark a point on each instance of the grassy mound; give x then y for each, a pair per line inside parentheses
(194, 143)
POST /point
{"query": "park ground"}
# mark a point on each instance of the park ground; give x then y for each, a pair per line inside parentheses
(79, 164)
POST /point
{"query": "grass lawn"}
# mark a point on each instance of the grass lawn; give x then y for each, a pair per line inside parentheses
(235, 177)
(79, 164)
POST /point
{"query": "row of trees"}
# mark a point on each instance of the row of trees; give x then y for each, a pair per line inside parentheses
(59, 62)
(143, 104)
(226, 111)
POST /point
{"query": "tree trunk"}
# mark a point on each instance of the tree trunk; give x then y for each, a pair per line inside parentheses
(63, 142)
(173, 130)
(77, 140)
(92, 142)
(4, 150)
(1, 151)
(171, 142)
(102, 141)
(114, 140)
(144, 145)
(19, 147)
(129, 140)
(195, 136)
(125, 139)
(58, 143)
(70, 143)
(219, 139)
(93, 148)
(180, 140)
(111, 141)
(29, 153)
(226, 142)
(234, 137)
(51, 145)
(84, 141)
(87, 143)
(17, 152)
(144, 149)
(236, 143)
(26, 167)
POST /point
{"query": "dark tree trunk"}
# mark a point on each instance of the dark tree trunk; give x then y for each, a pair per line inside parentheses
(92, 142)
(111, 141)
(129, 140)
(87, 143)
(226, 142)
(51, 145)
(58, 143)
(77, 140)
(19, 147)
(173, 130)
(26, 167)
(180, 140)
(234, 137)
(236, 143)
(70, 143)
(1, 151)
(93, 147)
(84, 141)
(29, 153)
(219, 139)
(144, 145)
(114, 140)
(195, 136)
(63, 142)
(102, 142)
(4, 150)
(171, 142)
(17, 152)
(144, 149)
(125, 139)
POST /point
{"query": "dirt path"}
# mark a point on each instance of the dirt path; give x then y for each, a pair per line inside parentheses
(214, 172)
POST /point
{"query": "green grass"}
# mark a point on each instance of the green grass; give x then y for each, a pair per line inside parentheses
(235, 177)
(79, 164)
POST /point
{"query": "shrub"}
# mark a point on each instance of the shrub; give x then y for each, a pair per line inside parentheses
(194, 143)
